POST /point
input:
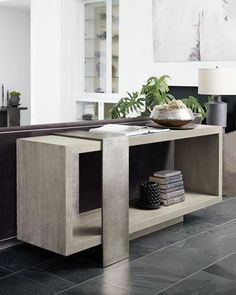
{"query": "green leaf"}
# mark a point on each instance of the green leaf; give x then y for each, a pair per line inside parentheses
(155, 92)
(193, 103)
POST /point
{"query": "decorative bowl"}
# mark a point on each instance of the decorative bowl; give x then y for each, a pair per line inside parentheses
(172, 118)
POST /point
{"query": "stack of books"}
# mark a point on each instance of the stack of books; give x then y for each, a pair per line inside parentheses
(172, 186)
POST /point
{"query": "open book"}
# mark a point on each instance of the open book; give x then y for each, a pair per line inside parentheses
(127, 130)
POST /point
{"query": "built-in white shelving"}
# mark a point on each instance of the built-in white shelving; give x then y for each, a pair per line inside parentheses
(100, 59)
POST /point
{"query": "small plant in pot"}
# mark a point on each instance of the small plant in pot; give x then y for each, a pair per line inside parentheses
(14, 100)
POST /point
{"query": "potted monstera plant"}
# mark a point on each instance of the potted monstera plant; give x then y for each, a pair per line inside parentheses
(154, 92)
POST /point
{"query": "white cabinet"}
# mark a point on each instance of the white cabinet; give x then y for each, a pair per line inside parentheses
(100, 47)
(95, 106)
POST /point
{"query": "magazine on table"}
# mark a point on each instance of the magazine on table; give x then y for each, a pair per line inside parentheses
(127, 130)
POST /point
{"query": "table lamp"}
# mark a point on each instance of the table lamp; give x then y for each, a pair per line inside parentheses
(217, 82)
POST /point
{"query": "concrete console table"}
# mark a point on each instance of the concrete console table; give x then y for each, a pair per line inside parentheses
(48, 188)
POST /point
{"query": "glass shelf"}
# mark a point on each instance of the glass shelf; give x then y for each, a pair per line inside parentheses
(94, 57)
(96, 38)
(107, 110)
(93, 77)
(95, 41)
(114, 18)
(115, 46)
(101, 59)
(87, 111)
(92, 39)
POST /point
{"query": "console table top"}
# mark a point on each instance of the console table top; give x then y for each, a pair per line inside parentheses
(200, 130)
(86, 141)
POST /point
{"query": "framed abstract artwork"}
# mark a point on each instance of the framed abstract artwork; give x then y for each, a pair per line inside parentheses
(194, 30)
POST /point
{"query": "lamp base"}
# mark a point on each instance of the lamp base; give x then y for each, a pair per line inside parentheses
(217, 113)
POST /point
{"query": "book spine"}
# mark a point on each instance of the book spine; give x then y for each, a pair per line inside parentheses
(170, 174)
(165, 181)
(172, 195)
(173, 180)
(171, 185)
(173, 201)
(171, 190)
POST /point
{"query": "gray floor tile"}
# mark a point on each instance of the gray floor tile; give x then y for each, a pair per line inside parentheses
(153, 242)
(219, 213)
(217, 243)
(203, 284)
(93, 255)
(177, 260)
(228, 228)
(71, 269)
(140, 278)
(155, 272)
(23, 256)
(97, 287)
(225, 268)
(191, 226)
(230, 197)
(9, 243)
(32, 282)
(4, 272)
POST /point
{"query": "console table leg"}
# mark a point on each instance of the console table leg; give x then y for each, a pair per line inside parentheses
(115, 202)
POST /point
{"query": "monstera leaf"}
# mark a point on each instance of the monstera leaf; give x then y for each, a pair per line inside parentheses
(193, 103)
(153, 93)
(132, 103)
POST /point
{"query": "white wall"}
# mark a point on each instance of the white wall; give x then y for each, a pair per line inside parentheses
(15, 54)
(54, 59)
(56, 50)
(136, 50)
(71, 19)
(45, 61)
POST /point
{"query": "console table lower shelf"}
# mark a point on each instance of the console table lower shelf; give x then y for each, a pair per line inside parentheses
(87, 227)
(49, 186)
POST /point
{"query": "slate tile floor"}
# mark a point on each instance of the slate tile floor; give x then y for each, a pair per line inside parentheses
(196, 257)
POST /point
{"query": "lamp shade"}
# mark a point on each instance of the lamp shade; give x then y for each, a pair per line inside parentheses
(217, 81)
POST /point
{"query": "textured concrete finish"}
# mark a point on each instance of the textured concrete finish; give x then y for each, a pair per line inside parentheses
(115, 194)
(229, 183)
(200, 160)
(48, 191)
(115, 200)
(48, 174)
